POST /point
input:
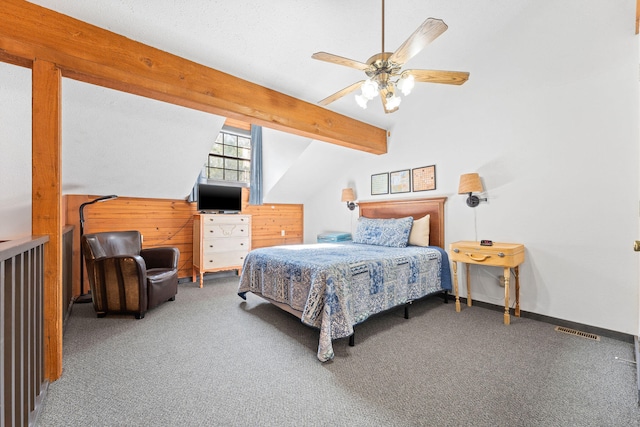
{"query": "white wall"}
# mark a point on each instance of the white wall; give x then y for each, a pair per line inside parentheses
(552, 128)
(15, 152)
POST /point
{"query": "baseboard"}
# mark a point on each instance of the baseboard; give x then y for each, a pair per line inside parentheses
(620, 336)
(210, 275)
(637, 346)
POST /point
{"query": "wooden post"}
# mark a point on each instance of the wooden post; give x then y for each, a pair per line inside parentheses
(47, 202)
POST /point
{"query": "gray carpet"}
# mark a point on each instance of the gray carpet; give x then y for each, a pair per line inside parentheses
(210, 359)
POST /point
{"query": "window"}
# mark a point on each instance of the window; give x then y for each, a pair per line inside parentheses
(230, 158)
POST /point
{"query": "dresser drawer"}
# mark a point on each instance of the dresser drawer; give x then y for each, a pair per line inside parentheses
(225, 245)
(223, 259)
(500, 254)
(224, 231)
(226, 219)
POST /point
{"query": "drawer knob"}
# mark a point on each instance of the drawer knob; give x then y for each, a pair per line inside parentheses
(241, 244)
(501, 254)
(478, 259)
(456, 250)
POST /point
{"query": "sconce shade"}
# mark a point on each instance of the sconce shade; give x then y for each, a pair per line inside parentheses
(470, 183)
(348, 195)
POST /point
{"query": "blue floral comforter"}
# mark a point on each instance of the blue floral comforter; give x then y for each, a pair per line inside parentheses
(338, 285)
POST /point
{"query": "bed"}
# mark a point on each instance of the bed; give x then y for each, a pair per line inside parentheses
(335, 286)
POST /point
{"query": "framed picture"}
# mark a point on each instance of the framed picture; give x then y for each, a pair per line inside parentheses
(400, 181)
(379, 183)
(424, 178)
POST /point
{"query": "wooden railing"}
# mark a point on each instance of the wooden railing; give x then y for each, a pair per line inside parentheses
(21, 330)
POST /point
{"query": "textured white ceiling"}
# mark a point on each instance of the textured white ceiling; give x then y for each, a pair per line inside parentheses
(271, 43)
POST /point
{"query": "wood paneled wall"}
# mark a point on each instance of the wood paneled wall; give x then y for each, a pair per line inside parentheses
(165, 222)
(274, 224)
(162, 223)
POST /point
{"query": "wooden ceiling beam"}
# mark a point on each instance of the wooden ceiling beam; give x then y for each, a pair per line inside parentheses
(637, 16)
(94, 55)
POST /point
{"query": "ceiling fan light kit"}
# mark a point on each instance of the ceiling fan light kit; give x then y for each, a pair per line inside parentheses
(384, 70)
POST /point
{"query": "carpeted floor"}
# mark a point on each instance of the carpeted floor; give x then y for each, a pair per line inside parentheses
(211, 359)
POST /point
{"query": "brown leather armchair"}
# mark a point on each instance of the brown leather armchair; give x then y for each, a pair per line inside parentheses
(124, 278)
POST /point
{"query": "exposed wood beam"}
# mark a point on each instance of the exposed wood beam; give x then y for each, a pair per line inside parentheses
(91, 54)
(46, 202)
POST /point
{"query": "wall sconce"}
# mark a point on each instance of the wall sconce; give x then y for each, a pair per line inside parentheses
(349, 197)
(470, 183)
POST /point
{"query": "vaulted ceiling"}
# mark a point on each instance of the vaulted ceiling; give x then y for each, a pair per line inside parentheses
(271, 43)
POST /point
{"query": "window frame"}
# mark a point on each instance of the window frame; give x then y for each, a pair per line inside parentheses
(226, 158)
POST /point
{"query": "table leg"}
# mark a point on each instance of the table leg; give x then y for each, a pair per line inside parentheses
(468, 286)
(517, 274)
(455, 284)
(507, 318)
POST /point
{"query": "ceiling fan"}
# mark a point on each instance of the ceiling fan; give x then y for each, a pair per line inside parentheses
(384, 74)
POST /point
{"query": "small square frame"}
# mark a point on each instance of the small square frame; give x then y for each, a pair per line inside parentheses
(400, 181)
(424, 178)
(380, 183)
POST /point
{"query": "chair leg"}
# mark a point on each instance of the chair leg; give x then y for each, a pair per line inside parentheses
(139, 316)
(101, 315)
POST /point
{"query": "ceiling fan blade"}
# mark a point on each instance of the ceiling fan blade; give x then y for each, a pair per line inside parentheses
(436, 76)
(335, 59)
(339, 94)
(383, 98)
(425, 34)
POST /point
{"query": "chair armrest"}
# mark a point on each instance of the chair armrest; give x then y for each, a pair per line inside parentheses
(120, 275)
(163, 257)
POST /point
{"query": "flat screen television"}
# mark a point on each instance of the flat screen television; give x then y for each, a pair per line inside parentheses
(219, 198)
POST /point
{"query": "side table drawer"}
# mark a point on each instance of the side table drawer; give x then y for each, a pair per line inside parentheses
(498, 255)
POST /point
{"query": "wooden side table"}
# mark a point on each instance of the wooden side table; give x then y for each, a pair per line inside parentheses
(506, 255)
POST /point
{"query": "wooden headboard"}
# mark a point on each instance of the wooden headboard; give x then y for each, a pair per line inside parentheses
(417, 208)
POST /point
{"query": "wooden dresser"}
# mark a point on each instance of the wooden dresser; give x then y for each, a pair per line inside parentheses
(220, 242)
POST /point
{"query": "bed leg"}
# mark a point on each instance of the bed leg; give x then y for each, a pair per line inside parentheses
(352, 341)
(445, 295)
(406, 309)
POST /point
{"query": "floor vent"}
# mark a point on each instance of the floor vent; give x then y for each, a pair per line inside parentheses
(586, 335)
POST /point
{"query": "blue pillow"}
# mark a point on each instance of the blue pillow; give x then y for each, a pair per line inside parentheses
(392, 232)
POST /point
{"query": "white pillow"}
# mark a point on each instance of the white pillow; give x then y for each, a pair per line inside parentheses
(419, 235)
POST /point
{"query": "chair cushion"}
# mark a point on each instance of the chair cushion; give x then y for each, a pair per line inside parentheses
(157, 275)
(162, 284)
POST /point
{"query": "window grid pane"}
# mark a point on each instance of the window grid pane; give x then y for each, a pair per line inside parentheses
(229, 159)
